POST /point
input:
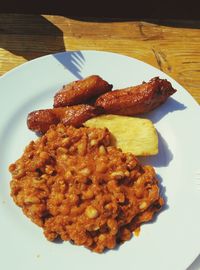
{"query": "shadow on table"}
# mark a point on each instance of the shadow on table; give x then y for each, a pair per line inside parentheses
(32, 36)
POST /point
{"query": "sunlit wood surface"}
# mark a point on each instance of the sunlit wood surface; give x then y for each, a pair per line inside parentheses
(172, 47)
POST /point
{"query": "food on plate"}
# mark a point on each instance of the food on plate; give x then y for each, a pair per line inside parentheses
(129, 101)
(40, 120)
(81, 91)
(136, 99)
(84, 184)
(77, 187)
(135, 135)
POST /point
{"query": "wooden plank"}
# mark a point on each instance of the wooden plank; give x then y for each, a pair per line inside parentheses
(174, 50)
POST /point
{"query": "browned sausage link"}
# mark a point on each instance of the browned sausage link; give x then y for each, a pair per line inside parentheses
(41, 120)
(137, 99)
(76, 115)
(81, 91)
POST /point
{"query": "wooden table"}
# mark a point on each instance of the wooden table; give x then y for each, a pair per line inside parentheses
(174, 49)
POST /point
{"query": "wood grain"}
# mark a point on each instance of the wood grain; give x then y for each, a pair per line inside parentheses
(174, 50)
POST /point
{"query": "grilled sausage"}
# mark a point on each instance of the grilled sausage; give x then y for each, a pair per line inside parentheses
(40, 120)
(137, 99)
(81, 91)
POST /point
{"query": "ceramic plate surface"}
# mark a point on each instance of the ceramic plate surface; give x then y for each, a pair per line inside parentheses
(172, 241)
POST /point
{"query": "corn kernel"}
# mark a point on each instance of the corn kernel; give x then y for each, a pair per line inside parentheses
(117, 174)
(102, 150)
(143, 205)
(93, 142)
(91, 212)
(85, 172)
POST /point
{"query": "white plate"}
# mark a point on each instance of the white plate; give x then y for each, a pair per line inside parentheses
(173, 240)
